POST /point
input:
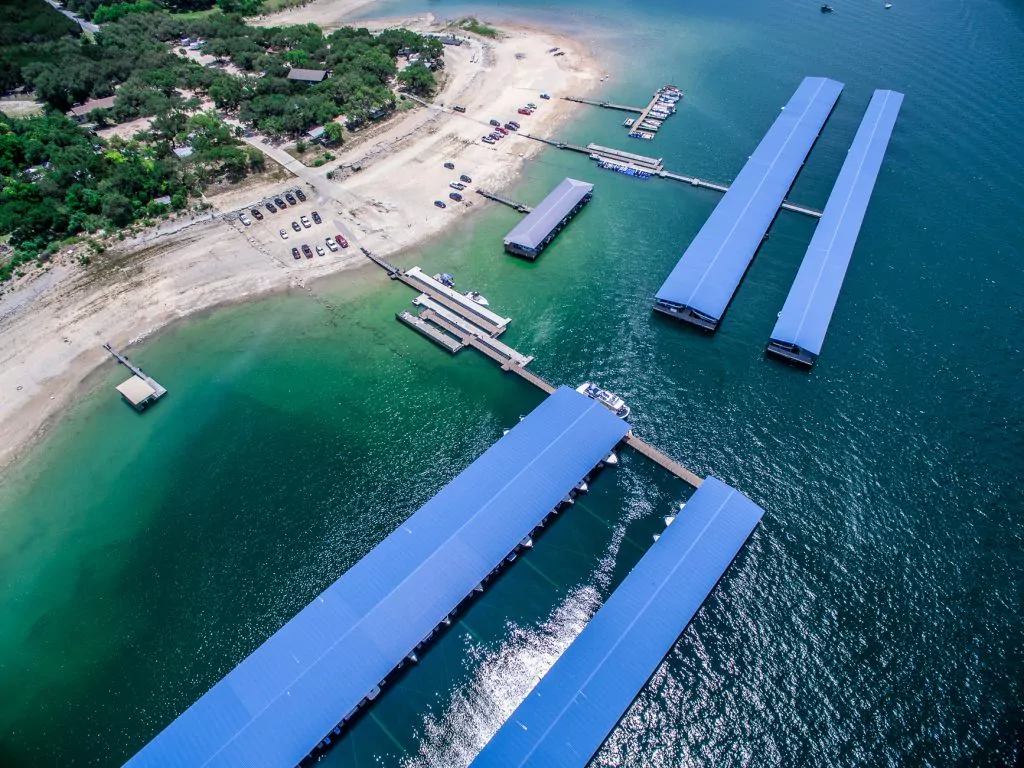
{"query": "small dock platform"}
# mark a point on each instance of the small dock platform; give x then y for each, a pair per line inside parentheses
(431, 332)
(515, 204)
(604, 104)
(140, 391)
(478, 314)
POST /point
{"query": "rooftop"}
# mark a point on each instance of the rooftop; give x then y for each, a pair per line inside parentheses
(807, 312)
(89, 106)
(307, 75)
(575, 706)
(278, 703)
(136, 391)
(531, 231)
(713, 265)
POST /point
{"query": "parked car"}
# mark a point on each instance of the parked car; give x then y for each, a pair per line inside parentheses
(545, 96)
(524, 111)
(457, 185)
(510, 127)
(514, 124)
(531, 105)
(494, 122)
(284, 235)
(465, 178)
(440, 204)
(290, 198)
(502, 130)
(280, 203)
(316, 218)
(244, 219)
(458, 108)
(271, 208)
(300, 194)
(496, 136)
(341, 241)
(331, 245)
(256, 214)
(487, 140)
(305, 222)
(450, 166)
(306, 251)
(296, 227)
(295, 253)
(320, 251)
(455, 196)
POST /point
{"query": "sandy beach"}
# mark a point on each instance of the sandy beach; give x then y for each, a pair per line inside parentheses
(53, 322)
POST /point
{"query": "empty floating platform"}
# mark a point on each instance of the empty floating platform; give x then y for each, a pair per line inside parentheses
(570, 713)
(803, 322)
(700, 287)
(533, 234)
(319, 668)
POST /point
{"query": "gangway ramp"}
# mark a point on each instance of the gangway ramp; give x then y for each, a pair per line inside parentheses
(805, 317)
(699, 288)
(312, 674)
(575, 706)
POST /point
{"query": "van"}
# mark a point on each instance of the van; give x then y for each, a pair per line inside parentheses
(458, 108)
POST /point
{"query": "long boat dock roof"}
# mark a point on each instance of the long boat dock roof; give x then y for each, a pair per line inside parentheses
(532, 230)
(702, 284)
(278, 703)
(803, 322)
(571, 711)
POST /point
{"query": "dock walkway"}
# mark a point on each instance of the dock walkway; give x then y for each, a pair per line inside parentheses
(515, 204)
(662, 460)
(605, 104)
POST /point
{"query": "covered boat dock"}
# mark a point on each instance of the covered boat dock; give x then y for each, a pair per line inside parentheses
(533, 234)
(702, 284)
(573, 709)
(805, 317)
(315, 673)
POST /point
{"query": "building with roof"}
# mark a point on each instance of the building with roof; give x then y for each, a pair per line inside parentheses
(82, 111)
(183, 152)
(307, 75)
(137, 392)
(800, 329)
(293, 693)
(700, 287)
(576, 705)
(533, 234)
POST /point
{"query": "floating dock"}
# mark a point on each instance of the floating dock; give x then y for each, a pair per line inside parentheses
(804, 320)
(431, 332)
(140, 391)
(490, 321)
(534, 233)
(572, 710)
(702, 284)
(293, 694)
(653, 164)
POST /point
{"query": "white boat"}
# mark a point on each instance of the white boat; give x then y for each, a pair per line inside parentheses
(526, 543)
(669, 520)
(888, 6)
(611, 459)
(582, 487)
(478, 297)
(612, 402)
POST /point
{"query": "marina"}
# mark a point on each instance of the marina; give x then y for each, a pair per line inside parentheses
(291, 698)
(140, 391)
(805, 317)
(568, 715)
(650, 118)
(700, 287)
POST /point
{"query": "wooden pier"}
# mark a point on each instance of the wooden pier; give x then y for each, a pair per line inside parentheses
(521, 207)
(695, 182)
(605, 104)
(661, 459)
(140, 391)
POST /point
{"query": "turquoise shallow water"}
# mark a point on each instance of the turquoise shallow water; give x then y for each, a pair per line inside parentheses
(875, 616)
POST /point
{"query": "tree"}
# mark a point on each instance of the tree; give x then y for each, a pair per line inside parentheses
(333, 133)
(418, 79)
(118, 209)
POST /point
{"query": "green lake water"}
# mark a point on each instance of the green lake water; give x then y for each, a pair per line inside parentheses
(874, 617)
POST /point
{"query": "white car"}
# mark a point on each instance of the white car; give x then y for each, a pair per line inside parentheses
(331, 245)
(244, 219)
(320, 250)
(284, 235)
(305, 221)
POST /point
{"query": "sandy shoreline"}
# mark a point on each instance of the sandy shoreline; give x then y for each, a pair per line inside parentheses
(52, 326)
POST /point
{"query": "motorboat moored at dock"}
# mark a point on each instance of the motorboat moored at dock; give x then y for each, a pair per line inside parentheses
(478, 297)
(611, 401)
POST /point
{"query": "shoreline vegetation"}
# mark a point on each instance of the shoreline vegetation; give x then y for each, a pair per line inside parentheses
(377, 184)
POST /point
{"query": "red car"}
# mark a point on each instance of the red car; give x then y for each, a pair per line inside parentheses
(341, 241)
(502, 131)
(524, 111)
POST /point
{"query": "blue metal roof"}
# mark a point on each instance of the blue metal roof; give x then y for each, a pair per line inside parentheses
(531, 231)
(570, 713)
(278, 703)
(803, 322)
(710, 270)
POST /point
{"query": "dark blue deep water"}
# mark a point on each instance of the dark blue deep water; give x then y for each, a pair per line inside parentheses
(873, 619)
